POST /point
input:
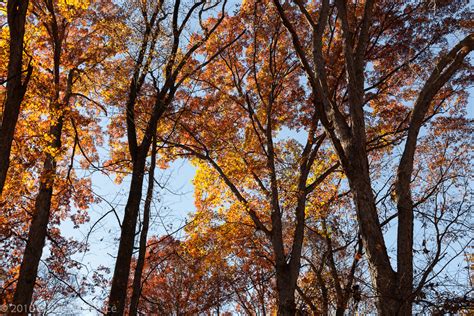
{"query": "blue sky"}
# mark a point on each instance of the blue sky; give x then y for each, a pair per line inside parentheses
(170, 208)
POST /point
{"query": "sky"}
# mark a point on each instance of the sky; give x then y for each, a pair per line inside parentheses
(170, 209)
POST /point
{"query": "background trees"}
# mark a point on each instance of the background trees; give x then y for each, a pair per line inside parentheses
(58, 112)
(331, 143)
(166, 25)
(344, 116)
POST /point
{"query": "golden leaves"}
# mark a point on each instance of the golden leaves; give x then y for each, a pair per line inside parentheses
(73, 4)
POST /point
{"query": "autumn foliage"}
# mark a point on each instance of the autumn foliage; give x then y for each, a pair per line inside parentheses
(331, 145)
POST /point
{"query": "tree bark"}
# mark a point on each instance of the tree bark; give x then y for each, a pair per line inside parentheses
(444, 70)
(286, 290)
(118, 292)
(381, 271)
(15, 87)
(38, 228)
(137, 279)
(39, 224)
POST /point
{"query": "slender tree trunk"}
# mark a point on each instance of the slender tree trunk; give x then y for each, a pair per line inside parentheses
(39, 224)
(15, 87)
(118, 292)
(442, 73)
(137, 279)
(38, 228)
(405, 256)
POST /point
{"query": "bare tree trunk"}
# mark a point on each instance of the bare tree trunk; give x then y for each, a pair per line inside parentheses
(286, 290)
(405, 254)
(15, 87)
(383, 276)
(137, 279)
(118, 292)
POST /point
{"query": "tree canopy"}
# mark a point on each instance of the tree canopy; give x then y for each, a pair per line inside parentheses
(330, 143)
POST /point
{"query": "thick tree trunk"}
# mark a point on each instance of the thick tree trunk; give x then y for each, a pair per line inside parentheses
(38, 229)
(118, 292)
(340, 310)
(15, 87)
(137, 279)
(405, 256)
(382, 274)
(286, 290)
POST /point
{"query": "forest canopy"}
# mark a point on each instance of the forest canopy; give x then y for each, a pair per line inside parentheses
(263, 157)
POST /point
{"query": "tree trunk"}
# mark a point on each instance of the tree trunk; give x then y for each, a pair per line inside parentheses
(340, 310)
(405, 256)
(38, 228)
(15, 87)
(137, 279)
(118, 292)
(382, 274)
(39, 224)
(286, 291)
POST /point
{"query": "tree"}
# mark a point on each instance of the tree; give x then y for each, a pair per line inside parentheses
(16, 82)
(364, 35)
(177, 280)
(234, 126)
(331, 143)
(169, 71)
(63, 26)
(137, 277)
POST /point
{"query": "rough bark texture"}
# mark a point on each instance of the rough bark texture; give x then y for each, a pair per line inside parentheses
(16, 88)
(382, 273)
(356, 165)
(137, 278)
